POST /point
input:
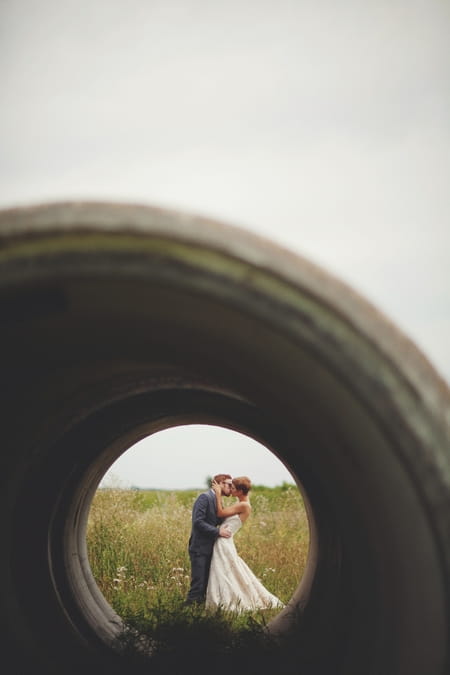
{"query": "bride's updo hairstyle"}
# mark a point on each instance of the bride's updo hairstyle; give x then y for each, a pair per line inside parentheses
(242, 483)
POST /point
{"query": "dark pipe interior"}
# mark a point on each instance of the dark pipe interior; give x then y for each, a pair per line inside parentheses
(118, 322)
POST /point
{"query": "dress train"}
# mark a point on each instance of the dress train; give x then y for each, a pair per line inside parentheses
(232, 585)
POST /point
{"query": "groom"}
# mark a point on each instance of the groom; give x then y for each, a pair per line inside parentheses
(204, 533)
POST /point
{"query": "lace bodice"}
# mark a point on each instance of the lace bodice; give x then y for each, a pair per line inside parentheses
(233, 522)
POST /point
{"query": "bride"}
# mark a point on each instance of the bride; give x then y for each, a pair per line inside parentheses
(232, 585)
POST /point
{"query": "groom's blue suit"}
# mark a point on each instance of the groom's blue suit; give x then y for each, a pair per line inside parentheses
(201, 543)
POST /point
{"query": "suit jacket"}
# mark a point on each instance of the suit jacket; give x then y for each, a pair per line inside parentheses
(204, 524)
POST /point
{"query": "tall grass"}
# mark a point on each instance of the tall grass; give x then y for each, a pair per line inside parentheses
(137, 547)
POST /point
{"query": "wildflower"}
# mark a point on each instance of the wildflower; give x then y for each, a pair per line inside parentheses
(267, 570)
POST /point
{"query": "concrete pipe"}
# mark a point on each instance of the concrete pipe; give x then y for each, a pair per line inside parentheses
(119, 321)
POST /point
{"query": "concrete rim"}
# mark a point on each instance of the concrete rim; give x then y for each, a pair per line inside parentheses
(209, 322)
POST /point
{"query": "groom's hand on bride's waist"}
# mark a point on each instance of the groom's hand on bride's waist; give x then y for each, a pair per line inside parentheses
(224, 531)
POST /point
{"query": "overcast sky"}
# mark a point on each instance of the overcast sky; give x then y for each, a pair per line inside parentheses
(322, 125)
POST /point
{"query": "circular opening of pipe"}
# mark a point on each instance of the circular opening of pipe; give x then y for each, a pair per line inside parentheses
(140, 518)
(105, 436)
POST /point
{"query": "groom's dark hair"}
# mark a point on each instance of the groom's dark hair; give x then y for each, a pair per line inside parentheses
(221, 477)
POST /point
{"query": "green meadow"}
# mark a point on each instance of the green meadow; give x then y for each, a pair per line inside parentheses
(137, 547)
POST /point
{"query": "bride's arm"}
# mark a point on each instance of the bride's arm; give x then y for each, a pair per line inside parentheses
(238, 507)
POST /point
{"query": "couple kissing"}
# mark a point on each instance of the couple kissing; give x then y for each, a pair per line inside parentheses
(219, 576)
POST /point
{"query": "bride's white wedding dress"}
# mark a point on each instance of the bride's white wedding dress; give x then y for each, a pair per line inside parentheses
(232, 585)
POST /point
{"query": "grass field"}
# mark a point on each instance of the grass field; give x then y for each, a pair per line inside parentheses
(137, 547)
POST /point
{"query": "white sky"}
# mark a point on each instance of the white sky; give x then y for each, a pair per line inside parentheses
(184, 457)
(322, 125)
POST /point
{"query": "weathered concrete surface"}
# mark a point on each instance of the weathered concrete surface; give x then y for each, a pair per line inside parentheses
(117, 321)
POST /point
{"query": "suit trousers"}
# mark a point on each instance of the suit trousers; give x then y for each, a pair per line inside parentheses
(200, 564)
